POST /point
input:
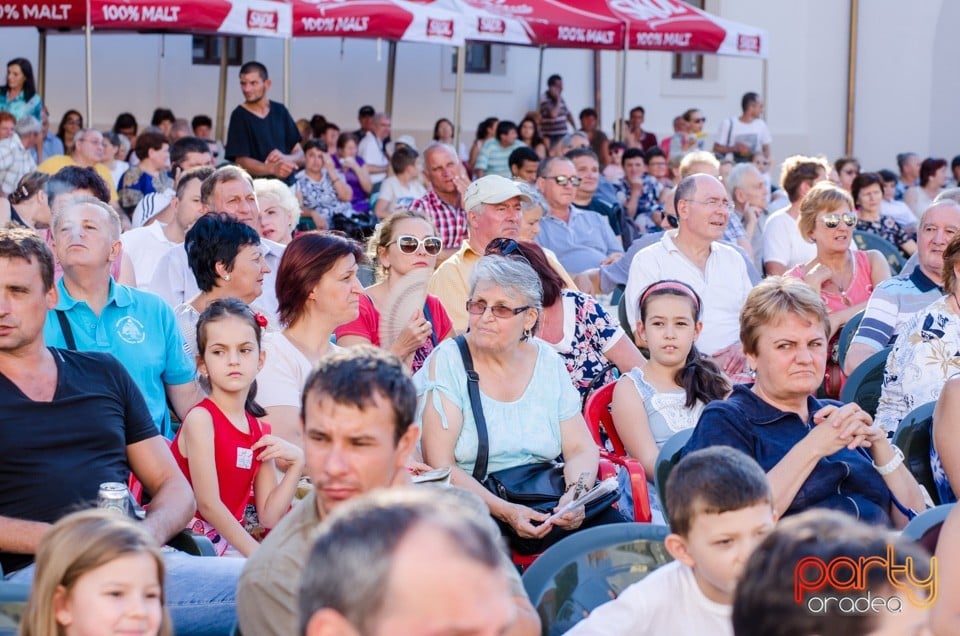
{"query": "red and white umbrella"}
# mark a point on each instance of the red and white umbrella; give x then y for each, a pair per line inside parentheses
(540, 23)
(263, 18)
(66, 14)
(396, 20)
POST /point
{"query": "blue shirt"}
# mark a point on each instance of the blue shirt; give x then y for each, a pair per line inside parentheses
(581, 242)
(845, 481)
(138, 329)
(51, 146)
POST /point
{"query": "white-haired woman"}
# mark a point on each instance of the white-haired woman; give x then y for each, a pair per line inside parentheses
(279, 210)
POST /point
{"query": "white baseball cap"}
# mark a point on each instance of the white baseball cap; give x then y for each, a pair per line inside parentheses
(151, 205)
(491, 189)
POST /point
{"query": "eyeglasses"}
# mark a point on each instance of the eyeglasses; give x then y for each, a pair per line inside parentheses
(73, 121)
(699, 120)
(833, 219)
(504, 247)
(410, 244)
(563, 180)
(478, 307)
(722, 204)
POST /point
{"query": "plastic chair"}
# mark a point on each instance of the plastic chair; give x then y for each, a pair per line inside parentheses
(914, 438)
(592, 567)
(667, 458)
(13, 599)
(866, 382)
(846, 336)
(870, 241)
(925, 527)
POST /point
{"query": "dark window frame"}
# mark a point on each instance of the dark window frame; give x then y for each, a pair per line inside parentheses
(688, 65)
(206, 50)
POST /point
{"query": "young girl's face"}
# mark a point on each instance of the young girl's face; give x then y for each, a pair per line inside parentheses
(232, 356)
(670, 329)
(119, 597)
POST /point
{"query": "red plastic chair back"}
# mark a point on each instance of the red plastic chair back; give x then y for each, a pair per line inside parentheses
(596, 412)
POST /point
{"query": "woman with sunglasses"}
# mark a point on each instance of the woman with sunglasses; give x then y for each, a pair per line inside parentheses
(402, 243)
(574, 324)
(531, 410)
(71, 123)
(844, 279)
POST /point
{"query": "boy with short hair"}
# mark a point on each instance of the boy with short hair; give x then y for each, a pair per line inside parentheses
(720, 508)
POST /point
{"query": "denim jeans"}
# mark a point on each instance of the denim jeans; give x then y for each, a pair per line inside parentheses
(200, 592)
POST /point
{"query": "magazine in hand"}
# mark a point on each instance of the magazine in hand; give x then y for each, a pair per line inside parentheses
(599, 491)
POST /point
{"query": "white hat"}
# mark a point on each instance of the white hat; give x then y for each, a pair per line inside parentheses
(491, 189)
(151, 205)
(406, 140)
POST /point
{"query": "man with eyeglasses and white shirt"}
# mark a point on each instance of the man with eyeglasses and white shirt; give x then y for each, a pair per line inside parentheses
(581, 239)
(693, 254)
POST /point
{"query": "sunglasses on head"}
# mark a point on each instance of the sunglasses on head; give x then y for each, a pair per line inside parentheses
(410, 244)
(833, 219)
(564, 180)
(504, 247)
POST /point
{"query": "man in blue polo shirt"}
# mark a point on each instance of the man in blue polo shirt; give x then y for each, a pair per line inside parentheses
(94, 313)
(897, 299)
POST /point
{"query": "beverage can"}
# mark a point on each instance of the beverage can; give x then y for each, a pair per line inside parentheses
(114, 495)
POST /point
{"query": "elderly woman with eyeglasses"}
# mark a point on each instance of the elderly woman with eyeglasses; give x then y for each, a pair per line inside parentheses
(402, 243)
(843, 278)
(531, 410)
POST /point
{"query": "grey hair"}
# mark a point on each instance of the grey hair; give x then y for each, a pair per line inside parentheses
(84, 200)
(734, 180)
(511, 275)
(350, 562)
(439, 145)
(28, 124)
(536, 198)
(379, 117)
(950, 194)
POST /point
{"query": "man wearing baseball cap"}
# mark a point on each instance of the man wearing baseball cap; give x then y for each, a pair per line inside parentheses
(493, 211)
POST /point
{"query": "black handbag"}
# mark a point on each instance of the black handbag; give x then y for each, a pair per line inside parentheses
(537, 486)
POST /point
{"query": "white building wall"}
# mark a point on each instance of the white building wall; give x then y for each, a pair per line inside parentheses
(905, 98)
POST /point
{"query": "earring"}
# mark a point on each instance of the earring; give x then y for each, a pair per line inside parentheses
(526, 334)
(226, 277)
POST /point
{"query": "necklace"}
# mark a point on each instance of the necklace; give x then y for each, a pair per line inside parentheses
(843, 292)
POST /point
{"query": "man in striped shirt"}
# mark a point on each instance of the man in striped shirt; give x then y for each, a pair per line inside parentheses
(554, 114)
(896, 299)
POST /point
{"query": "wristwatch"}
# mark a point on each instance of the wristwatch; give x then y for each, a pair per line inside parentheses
(893, 464)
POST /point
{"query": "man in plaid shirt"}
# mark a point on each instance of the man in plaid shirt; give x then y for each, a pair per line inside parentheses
(443, 204)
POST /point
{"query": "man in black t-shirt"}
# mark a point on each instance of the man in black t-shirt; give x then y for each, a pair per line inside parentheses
(70, 421)
(263, 138)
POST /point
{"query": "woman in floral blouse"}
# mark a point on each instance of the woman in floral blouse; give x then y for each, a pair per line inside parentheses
(868, 193)
(927, 351)
(573, 324)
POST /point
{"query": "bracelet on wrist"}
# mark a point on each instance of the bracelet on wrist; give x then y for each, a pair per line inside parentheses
(891, 465)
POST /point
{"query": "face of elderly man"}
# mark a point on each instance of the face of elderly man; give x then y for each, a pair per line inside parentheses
(704, 215)
(85, 236)
(752, 190)
(558, 196)
(497, 220)
(938, 226)
(237, 197)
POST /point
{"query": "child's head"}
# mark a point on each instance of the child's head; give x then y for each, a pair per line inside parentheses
(720, 507)
(97, 573)
(801, 549)
(669, 325)
(229, 354)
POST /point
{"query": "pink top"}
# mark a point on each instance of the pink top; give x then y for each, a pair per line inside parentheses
(367, 325)
(861, 285)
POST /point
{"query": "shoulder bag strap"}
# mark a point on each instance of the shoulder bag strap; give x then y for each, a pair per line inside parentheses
(429, 317)
(67, 331)
(473, 389)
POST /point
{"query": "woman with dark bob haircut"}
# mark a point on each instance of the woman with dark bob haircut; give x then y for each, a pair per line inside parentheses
(817, 454)
(225, 257)
(317, 291)
(19, 95)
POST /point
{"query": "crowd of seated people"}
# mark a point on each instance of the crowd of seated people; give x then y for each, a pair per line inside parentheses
(218, 333)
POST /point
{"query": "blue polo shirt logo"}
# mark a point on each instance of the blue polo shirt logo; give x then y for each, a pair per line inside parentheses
(130, 330)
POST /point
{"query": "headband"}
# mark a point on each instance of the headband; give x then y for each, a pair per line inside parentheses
(670, 285)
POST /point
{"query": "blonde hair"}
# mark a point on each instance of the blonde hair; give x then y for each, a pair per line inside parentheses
(823, 197)
(383, 234)
(773, 298)
(77, 544)
(280, 192)
(695, 157)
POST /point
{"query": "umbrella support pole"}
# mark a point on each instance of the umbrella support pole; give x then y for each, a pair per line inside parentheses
(222, 91)
(458, 95)
(42, 64)
(391, 76)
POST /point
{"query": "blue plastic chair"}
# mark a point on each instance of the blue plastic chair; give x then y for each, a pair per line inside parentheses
(667, 458)
(870, 241)
(846, 336)
(13, 599)
(865, 384)
(925, 527)
(914, 438)
(591, 567)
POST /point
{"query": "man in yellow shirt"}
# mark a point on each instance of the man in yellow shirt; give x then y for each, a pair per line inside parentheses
(87, 153)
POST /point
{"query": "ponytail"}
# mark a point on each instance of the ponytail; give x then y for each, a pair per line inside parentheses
(701, 379)
(250, 404)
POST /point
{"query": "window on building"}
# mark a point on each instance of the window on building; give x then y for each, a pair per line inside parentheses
(688, 65)
(479, 58)
(206, 50)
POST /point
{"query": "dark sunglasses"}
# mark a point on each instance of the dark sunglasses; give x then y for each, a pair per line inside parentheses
(477, 307)
(504, 247)
(832, 220)
(701, 120)
(564, 180)
(410, 244)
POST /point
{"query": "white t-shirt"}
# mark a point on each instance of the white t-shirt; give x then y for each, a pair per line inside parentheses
(782, 242)
(146, 246)
(723, 286)
(401, 196)
(755, 134)
(667, 601)
(899, 212)
(284, 373)
(371, 151)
